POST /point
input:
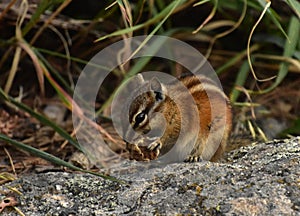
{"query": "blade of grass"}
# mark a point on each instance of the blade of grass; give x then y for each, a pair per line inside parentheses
(293, 130)
(126, 12)
(47, 22)
(6, 9)
(52, 158)
(37, 64)
(249, 41)
(295, 5)
(53, 71)
(41, 118)
(137, 67)
(23, 11)
(201, 2)
(159, 16)
(224, 33)
(13, 70)
(157, 6)
(271, 13)
(154, 31)
(72, 105)
(289, 49)
(78, 60)
(290, 60)
(41, 8)
(240, 81)
(234, 60)
(209, 17)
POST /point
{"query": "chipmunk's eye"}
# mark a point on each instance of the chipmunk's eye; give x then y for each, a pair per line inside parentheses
(140, 117)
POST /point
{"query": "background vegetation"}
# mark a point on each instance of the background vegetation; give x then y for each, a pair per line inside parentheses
(253, 45)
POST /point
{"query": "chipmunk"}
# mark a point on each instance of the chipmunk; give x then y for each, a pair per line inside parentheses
(160, 112)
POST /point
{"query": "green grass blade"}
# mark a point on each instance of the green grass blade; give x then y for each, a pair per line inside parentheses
(159, 16)
(293, 130)
(273, 16)
(157, 27)
(201, 2)
(240, 81)
(295, 5)
(38, 152)
(41, 118)
(78, 60)
(53, 71)
(50, 158)
(289, 50)
(137, 67)
(41, 8)
(237, 58)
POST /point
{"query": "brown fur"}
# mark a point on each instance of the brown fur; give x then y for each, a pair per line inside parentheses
(214, 113)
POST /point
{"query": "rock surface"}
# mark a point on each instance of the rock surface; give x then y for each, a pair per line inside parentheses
(261, 179)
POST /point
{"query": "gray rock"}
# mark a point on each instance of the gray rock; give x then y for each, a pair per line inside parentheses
(260, 179)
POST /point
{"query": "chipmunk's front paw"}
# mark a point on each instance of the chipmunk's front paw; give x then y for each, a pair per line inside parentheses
(155, 146)
(193, 158)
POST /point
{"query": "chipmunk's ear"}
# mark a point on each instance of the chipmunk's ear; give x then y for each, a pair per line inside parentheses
(158, 88)
(137, 80)
(134, 82)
